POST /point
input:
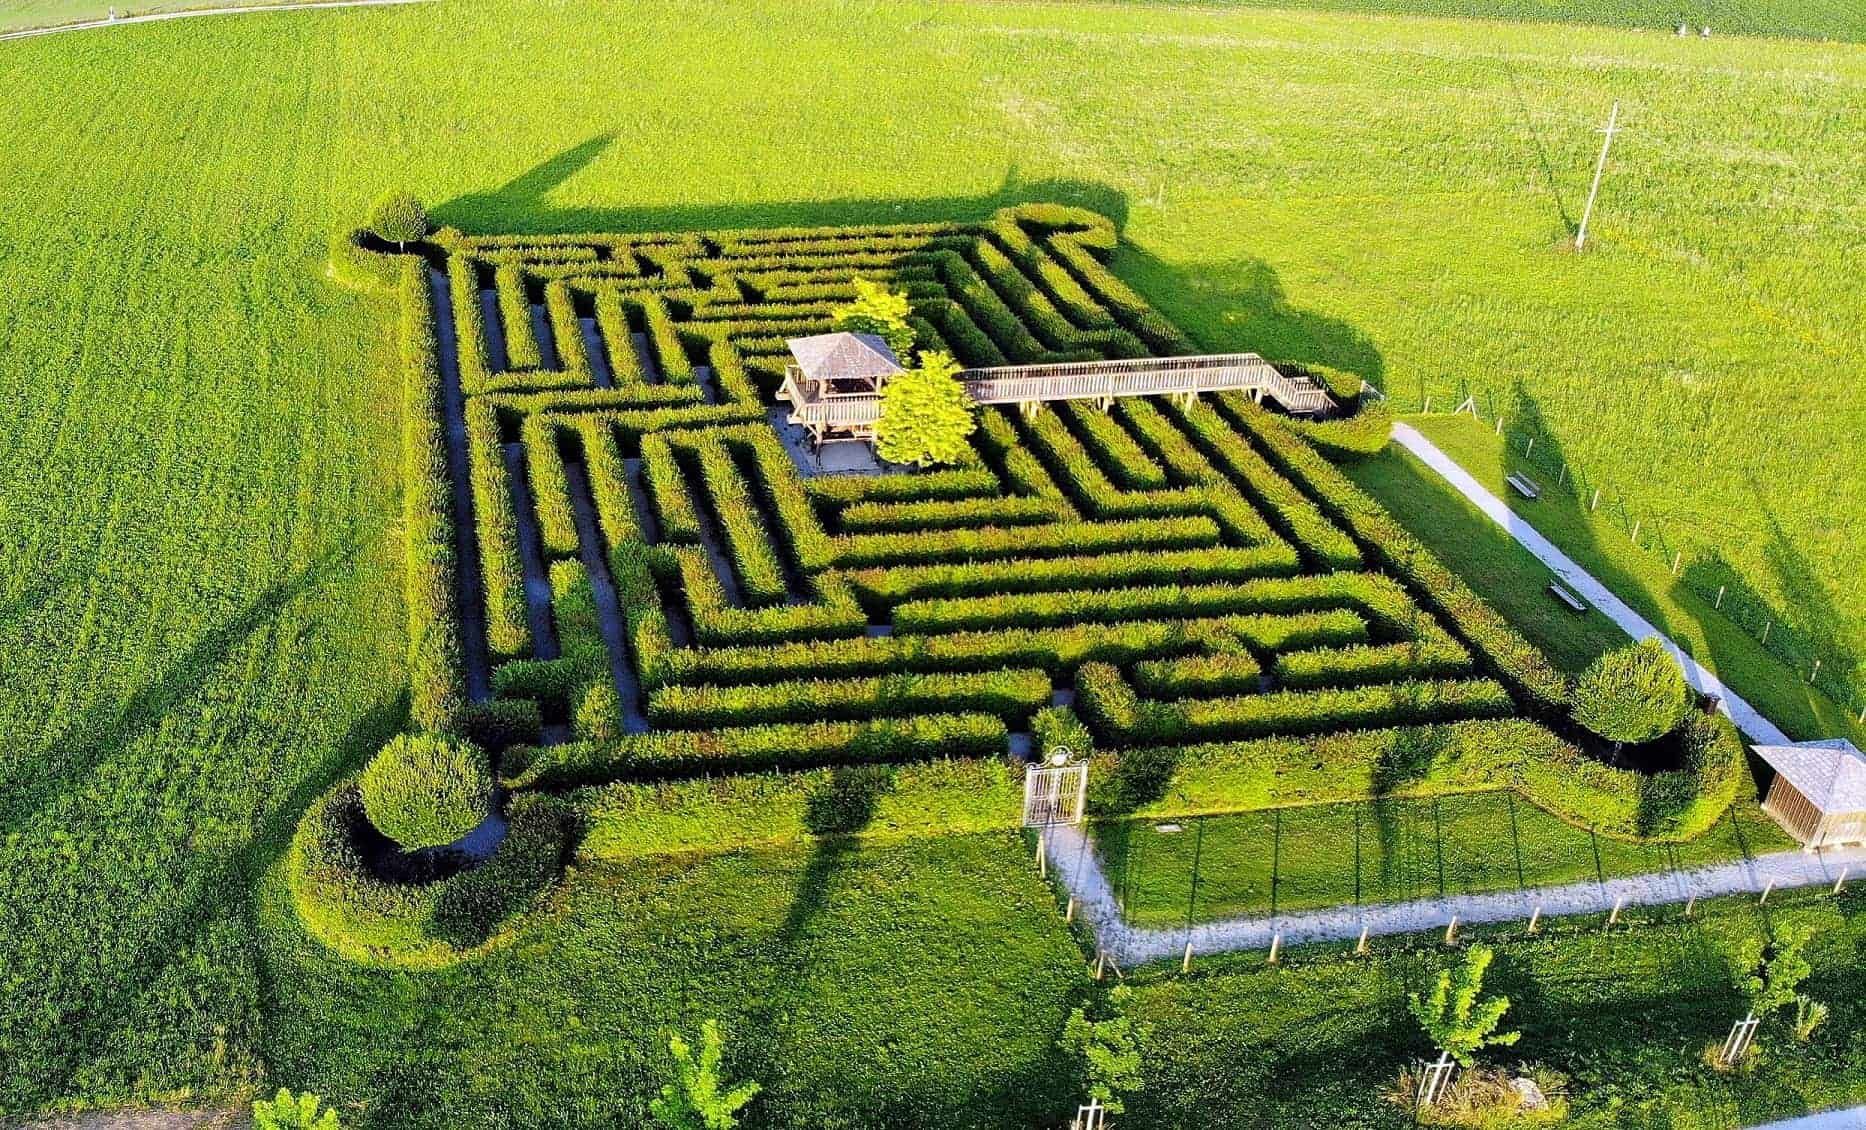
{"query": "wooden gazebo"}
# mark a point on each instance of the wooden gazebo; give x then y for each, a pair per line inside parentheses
(1819, 791)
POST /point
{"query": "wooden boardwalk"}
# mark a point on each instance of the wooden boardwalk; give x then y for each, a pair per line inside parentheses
(1029, 386)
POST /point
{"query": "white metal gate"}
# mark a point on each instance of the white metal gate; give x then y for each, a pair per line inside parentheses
(1055, 793)
(1742, 1035)
(1436, 1079)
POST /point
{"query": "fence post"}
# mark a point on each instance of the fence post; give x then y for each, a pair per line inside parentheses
(1185, 966)
(1691, 906)
(1719, 603)
(1817, 670)
(1842, 881)
(1451, 931)
(1678, 559)
(1618, 905)
(1535, 920)
(1595, 505)
(1636, 523)
(1766, 888)
(1276, 946)
(1360, 947)
(1529, 446)
(1766, 625)
(1069, 915)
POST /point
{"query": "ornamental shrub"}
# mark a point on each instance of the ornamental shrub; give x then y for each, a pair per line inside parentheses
(1634, 694)
(425, 790)
(286, 1111)
(398, 218)
(925, 413)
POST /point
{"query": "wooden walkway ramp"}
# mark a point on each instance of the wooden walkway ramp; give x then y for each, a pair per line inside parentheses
(1029, 386)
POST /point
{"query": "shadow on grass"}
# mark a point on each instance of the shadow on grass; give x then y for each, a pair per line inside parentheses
(63, 763)
(523, 204)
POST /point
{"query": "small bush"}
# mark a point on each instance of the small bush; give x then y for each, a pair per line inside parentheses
(925, 414)
(425, 790)
(1634, 694)
(398, 218)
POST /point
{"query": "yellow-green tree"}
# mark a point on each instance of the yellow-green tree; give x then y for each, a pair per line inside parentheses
(925, 413)
(882, 312)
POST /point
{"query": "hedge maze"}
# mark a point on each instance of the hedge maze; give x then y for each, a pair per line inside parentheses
(621, 577)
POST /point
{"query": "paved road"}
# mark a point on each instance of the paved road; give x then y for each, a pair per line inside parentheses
(1747, 717)
(153, 17)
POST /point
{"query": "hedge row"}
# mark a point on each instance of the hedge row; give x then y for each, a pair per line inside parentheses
(1226, 672)
(1110, 705)
(613, 323)
(961, 333)
(374, 921)
(1036, 310)
(940, 514)
(1305, 524)
(1520, 662)
(1432, 760)
(550, 489)
(521, 346)
(1022, 472)
(716, 622)
(1051, 649)
(789, 745)
(754, 559)
(1434, 656)
(436, 671)
(633, 820)
(664, 335)
(507, 629)
(1058, 283)
(964, 480)
(1352, 439)
(885, 587)
(983, 305)
(1041, 609)
(857, 550)
(1009, 693)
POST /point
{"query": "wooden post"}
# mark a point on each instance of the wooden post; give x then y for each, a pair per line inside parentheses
(1360, 947)
(1766, 888)
(1499, 424)
(1618, 905)
(1719, 603)
(1636, 524)
(1185, 966)
(1451, 931)
(1842, 881)
(1678, 559)
(1595, 505)
(1043, 862)
(1529, 446)
(1561, 480)
(1276, 946)
(1069, 915)
(1101, 962)
(1766, 625)
(1815, 672)
(1691, 906)
(1535, 920)
(1427, 410)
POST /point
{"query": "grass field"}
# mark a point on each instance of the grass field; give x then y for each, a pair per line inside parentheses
(915, 985)
(1641, 578)
(1813, 19)
(18, 14)
(1391, 850)
(1490, 561)
(199, 599)
(1623, 1014)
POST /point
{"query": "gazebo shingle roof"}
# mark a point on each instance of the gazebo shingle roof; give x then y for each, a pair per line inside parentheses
(1831, 773)
(844, 356)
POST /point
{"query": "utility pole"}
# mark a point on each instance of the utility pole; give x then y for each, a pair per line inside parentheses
(1612, 127)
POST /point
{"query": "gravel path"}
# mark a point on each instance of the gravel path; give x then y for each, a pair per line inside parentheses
(1073, 856)
(153, 17)
(146, 1120)
(1747, 717)
(1854, 1119)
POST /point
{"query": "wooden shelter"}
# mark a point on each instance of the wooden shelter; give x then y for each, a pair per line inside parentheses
(1819, 791)
(840, 376)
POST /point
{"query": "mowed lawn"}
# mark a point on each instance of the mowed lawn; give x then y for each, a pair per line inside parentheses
(1305, 857)
(918, 984)
(1625, 1015)
(200, 620)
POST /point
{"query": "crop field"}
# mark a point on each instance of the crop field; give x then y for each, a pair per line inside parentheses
(203, 529)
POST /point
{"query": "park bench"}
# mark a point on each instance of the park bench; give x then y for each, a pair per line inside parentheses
(1525, 486)
(1568, 598)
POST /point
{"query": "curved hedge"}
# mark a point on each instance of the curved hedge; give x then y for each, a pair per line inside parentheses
(363, 917)
(426, 790)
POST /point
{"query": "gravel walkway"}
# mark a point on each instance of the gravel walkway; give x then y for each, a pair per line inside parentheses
(1072, 854)
(1854, 1119)
(146, 1120)
(121, 21)
(1747, 717)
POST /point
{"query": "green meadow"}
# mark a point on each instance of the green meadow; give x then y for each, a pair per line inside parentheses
(200, 589)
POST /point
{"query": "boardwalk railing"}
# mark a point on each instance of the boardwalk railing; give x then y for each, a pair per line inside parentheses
(1031, 385)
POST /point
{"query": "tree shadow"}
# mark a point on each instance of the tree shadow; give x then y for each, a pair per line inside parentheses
(1569, 226)
(1241, 305)
(113, 1001)
(62, 763)
(523, 204)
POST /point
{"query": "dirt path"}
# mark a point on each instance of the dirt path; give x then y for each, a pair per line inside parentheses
(145, 1120)
(154, 17)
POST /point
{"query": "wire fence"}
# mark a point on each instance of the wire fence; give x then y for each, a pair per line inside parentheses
(1692, 556)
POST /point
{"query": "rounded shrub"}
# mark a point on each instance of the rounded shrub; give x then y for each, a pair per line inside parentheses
(1635, 694)
(425, 790)
(398, 218)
